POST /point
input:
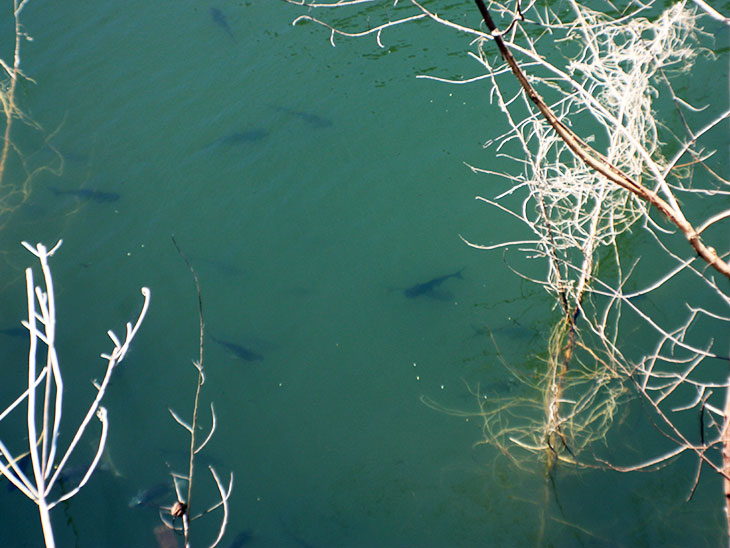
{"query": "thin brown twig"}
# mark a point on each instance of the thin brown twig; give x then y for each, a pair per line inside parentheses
(201, 380)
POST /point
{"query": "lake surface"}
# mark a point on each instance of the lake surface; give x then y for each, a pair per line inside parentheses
(310, 186)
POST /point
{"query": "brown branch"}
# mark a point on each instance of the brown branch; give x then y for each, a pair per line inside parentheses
(598, 161)
(201, 380)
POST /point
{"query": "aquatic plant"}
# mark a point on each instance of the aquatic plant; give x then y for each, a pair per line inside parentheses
(45, 394)
(608, 79)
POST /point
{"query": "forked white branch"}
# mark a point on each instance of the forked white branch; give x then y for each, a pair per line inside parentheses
(43, 446)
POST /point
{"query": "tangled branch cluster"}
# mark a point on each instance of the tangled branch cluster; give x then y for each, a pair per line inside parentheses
(577, 198)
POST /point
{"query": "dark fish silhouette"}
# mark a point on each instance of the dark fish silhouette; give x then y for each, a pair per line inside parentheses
(69, 478)
(14, 331)
(151, 496)
(237, 350)
(222, 21)
(87, 194)
(240, 137)
(220, 266)
(430, 287)
(242, 538)
(310, 118)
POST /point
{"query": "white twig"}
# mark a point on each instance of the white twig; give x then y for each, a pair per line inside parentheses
(225, 494)
(43, 447)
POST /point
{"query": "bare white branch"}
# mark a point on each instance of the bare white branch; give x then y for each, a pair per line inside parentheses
(43, 447)
(212, 430)
(180, 421)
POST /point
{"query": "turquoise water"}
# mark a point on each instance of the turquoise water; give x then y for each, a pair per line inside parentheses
(310, 186)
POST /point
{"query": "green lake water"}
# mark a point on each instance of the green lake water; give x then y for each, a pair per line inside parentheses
(310, 186)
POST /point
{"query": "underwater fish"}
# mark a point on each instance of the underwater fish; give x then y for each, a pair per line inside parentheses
(242, 538)
(106, 462)
(310, 118)
(237, 350)
(240, 137)
(97, 196)
(222, 21)
(70, 476)
(151, 496)
(429, 288)
(14, 331)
